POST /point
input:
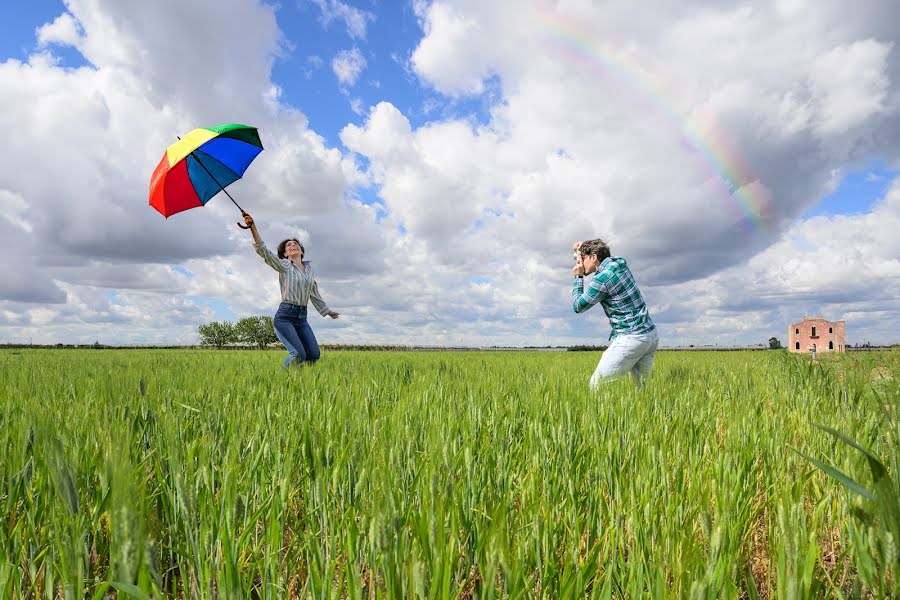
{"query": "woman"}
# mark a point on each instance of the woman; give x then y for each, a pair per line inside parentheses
(298, 286)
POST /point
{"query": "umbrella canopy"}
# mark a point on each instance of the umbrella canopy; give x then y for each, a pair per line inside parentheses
(197, 167)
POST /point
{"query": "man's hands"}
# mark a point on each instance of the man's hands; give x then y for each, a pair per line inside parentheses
(248, 220)
(578, 269)
(333, 314)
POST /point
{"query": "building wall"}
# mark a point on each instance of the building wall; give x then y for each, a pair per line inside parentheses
(830, 336)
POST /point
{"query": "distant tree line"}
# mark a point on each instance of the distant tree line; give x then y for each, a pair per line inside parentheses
(254, 331)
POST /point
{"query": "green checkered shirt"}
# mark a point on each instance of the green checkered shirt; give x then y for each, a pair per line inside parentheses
(613, 286)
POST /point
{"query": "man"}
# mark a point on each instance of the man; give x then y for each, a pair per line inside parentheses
(634, 336)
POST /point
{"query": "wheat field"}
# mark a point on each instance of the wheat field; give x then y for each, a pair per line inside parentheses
(218, 474)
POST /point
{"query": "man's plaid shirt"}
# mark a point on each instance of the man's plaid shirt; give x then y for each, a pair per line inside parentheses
(613, 286)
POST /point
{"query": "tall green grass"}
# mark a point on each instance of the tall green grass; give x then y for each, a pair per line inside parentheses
(207, 474)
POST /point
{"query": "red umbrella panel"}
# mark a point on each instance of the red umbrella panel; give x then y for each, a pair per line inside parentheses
(203, 163)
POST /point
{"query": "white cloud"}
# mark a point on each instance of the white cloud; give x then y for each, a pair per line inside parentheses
(355, 20)
(64, 31)
(609, 120)
(453, 54)
(313, 64)
(347, 66)
(851, 84)
(842, 267)
(632, 125)
(13, 208)
(82, 146)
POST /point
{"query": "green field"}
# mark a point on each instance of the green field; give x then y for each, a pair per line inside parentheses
(210, 474)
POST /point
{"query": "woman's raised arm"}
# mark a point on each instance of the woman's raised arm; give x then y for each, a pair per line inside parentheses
(252, 224)
(260, 248)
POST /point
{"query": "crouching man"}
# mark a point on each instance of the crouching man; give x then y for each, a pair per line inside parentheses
(634, 338)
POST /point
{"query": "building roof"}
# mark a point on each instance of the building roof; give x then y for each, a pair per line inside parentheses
(822, 319)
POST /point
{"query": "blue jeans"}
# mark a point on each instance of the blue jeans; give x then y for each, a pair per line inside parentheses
(293, 330)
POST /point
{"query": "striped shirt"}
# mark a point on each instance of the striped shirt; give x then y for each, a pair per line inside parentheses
(613, 286)
(297, 287)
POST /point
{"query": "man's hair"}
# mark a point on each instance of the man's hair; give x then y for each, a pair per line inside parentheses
(596, 247)
(283, 243)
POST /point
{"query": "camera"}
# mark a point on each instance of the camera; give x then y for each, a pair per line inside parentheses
(577, 256)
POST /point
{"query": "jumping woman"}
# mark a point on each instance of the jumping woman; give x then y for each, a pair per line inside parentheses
(298, 287)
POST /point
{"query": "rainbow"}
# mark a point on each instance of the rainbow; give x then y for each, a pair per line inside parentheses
(748, 200)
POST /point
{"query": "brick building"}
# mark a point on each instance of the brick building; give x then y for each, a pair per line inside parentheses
(828, 336)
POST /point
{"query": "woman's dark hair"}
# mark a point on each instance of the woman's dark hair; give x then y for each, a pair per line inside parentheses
(596, 247)
(284, 243)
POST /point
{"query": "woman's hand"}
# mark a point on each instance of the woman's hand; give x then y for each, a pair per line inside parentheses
(252, 225)
(333, 314)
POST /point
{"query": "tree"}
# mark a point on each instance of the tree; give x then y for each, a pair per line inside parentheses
(258, 331)
(774, 343)
(217, 334)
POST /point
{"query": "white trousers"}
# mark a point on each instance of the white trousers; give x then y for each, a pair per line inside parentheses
(628, 353)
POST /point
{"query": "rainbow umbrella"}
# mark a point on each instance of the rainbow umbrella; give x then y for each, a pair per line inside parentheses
(198, 166)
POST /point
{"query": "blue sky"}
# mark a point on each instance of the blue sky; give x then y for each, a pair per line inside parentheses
(304, 70)
(18, 21)
(391, 36)
(307, 80)
(856, 193)
(479, 193)
(314, 86)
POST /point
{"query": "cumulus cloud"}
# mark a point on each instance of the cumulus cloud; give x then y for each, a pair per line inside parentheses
(692, 137)
(84, 141)
(852, 84)
(356, 104)
(63, 31)
(842, 267)
(347, 66)
(313, 64)
(355, 20)
(454, 55)
(13, 208)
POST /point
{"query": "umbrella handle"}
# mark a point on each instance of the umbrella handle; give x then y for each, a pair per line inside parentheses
(242, 226)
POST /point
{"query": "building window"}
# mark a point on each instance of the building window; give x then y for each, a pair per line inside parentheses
(831, 345)
(814, 331)
(829, 330)
(797, 347)
(797, 330)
